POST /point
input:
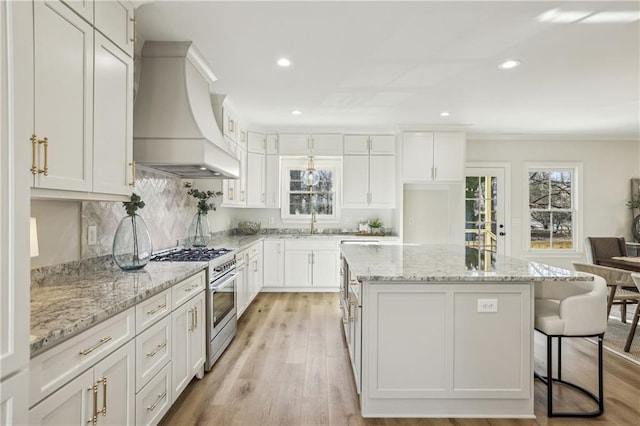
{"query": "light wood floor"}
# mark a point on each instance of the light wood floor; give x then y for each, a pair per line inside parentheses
(288, 365)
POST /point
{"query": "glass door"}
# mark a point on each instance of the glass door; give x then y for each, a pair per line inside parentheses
(485, 230)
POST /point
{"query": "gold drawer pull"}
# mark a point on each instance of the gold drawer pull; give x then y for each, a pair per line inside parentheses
(155, 404)
(156, 309)
(94, 418)
(134, 39)
(193, 287)
(155, 351)
(104, 395)
(96, 346)
(133, 174)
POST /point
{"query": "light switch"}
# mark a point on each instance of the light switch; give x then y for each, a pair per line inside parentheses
(487, 305)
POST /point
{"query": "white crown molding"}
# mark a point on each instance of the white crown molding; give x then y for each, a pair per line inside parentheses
(548, 137)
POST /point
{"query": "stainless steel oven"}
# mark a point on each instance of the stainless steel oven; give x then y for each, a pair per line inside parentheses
(221, 308)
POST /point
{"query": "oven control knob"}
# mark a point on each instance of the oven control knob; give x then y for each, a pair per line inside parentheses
(218, 269)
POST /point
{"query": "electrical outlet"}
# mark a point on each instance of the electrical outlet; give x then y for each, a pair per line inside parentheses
(92, 235)
(487, 305)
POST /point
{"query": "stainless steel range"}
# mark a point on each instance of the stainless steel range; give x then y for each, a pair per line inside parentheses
(221, 294)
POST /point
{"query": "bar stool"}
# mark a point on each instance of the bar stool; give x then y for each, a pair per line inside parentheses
(571, 309)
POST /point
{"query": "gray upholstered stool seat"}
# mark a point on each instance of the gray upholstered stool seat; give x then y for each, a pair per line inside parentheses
(565, 310)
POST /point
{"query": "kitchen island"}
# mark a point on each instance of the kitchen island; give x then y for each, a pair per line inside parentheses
(441, 331)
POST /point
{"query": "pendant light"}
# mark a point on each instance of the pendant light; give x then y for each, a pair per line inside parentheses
(311, 168)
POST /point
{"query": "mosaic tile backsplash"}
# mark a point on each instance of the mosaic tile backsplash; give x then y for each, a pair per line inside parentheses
(167, 213)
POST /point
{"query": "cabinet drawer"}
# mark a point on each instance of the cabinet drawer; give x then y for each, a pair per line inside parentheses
(186, 289)
(254, 250)
(154, 400)
(153, 351)
(55, 367)
(151, 310)
(310, 244)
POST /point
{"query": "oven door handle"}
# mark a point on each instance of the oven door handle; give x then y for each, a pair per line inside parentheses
(224, 283)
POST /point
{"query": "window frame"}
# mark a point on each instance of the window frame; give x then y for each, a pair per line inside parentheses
(576, 168)
(297, 163)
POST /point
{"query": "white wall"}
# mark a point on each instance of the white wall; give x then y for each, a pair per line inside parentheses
(607, 168)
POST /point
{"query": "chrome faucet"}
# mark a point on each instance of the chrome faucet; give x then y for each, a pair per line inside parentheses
(313, 223)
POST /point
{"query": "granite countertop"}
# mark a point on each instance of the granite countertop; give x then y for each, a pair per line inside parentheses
(442, 263)
(71, 303)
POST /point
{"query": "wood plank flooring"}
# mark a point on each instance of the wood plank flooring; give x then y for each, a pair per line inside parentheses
(288, 365)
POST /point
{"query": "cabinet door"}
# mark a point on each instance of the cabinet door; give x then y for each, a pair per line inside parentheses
(83, 8)
(70, 405)
(63, 96)
(229, 195)
(356, 144)
(326, 144)
(449, 153)
(272, 144)
(273, 263)
(355, 172)
(154, 400)
(242, 293)
(256, 142)
(255, 180)
(197, 339)
(297, 266)
(114, 19)
(382, 181)
(153, 349)
(229, 123)
(112, 119)
(294, 144)
(115, 376)
(183, 326)
(382, 145)
(241, 184)
(14, 394)
(417, 156)
(272, 184)
(325, 268)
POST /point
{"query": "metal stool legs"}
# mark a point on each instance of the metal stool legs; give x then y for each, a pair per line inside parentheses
(549, 380)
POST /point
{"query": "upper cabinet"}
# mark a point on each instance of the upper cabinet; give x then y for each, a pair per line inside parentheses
(433, 156)
(83, 8)
(306, 144)
(114, 19)
(83, 102)
(369, 171)
(256, 170)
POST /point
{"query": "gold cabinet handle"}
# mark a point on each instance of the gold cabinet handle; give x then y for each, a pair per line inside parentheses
(104, 395)
(193, 287)
(190, 320)
(195, 309)
(156, 350)
(133, 174)
(232, 125)
(155, 404)
(34, 144)
(94, 418)
(45, 170)
(157, 309)
(96, 346)
(134, 39)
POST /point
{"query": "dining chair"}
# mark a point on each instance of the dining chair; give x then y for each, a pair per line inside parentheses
(602, 248)
(567, 310)
(634, 322)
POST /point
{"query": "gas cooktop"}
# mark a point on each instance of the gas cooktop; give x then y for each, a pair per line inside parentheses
(193, 254)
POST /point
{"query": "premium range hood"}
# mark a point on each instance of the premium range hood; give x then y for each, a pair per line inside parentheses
(174, 129)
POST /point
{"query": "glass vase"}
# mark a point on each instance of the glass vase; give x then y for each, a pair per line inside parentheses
(635, 228)
(132, 243)
(199, 233)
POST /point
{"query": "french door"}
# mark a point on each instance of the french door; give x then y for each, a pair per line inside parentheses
(486, 211)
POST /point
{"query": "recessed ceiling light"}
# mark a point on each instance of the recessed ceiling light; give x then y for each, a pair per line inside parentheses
(284, 62)
(203, 168)
(445, 114)
(611, 17)
(296, 112)
(511, 63)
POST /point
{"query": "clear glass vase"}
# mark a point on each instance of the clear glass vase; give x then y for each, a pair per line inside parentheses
(199, 233)
(635, 228)
(132, 243)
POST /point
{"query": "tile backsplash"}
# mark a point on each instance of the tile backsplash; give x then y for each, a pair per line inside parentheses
(167, 213)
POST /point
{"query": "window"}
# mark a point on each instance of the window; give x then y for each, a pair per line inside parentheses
(553, 209)
(305, 192)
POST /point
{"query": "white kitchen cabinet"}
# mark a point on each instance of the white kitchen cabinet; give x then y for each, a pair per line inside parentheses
(256, 184)
(188, 343)
(273, 263)
(369, 171)
(272, 144)
(241, 183)
(105, 393)
(153, 351)
(272, 181)
(254, 271)
(154, 400)
(311, 263)
(112, 119)
(306, 144)
(115, 20)
(63, 104)
(242, 291)
(84, 8)
(14, 218)
(256, 142)
(433, 157)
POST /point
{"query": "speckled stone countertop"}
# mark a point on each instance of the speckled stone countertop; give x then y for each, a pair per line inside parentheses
(78, 301)
(441, 263)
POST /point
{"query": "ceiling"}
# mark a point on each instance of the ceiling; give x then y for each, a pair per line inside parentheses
(387, 65)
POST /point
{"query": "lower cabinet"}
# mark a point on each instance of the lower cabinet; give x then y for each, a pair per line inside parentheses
(188, 343)
(102, 395)
(273, 263)
(249, 280)
(311, 263)
(154, 400)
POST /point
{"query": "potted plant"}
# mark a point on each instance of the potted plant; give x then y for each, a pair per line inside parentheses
(376, 226)
(132, 246)
(634, 203)
(199, 232)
